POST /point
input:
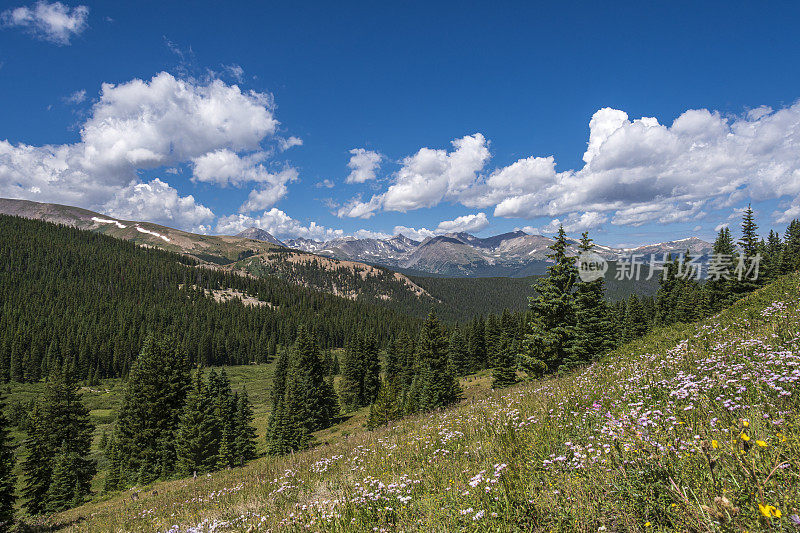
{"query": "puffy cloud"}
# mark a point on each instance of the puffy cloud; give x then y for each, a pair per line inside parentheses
(285, 144)
(279, 224)
(167, 120)
(720, 226)
(643, 171)
(325, 184)
(54, 22)
(369, 234)
(355, 208)
(145, 125)
(791, 213)
(430, 176)
(272, 191)
(157, 202)
(226, 166)
(413, 233)
(574, 223)
(465, 223)
(635, 171)
(363, 165)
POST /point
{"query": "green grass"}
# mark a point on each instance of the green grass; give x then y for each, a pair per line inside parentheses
(691, 428)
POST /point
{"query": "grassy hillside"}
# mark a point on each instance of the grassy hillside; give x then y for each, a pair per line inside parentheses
(692, 427)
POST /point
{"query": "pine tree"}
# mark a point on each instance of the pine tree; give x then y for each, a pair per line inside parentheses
(195, 444)
(372, 371)
(790, 256)
(318, 401)
(434, 384)
(477, 346)
(7, 477)
(772, 253)
(308, 404)
(492, 333)
(594, 330)
(459, 353)
(222, 415)
(748, 245)
(749, 240)
(551, 340)
(113, 481)
(719, 285)
(393, 366)
(151, 410)
(387, 406)
(351, 388)
(59, 430)
(36, 468)
(277, 424)
(62, 492)
(505, 371)
(246, 434)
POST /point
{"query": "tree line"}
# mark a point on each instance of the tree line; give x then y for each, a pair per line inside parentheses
(83, 302)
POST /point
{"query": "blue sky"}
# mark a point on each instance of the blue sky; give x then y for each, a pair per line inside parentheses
(471, 116)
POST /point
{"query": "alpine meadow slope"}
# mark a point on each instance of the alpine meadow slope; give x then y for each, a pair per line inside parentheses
(692, 427)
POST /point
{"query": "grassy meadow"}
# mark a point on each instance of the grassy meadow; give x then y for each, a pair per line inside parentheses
(691, 428)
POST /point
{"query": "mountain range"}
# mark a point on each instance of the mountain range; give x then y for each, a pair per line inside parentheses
(261, 255)
(514, 254)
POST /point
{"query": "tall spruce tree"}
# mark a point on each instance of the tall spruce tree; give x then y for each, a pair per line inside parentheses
(196, 445)
(351, 388)
(36, 468)
(434, 384)
(245, 432)
(551, 340)
(308, 403)
(594, 333)
(59, 435)
(719, 285)
(477, 345)
(505, 370)
(387, 406)
(749, 248)
(459, 353)
(393, 365)
(790, 255)
(372, 371)
(7, 477)
(151, 410)
(277, 425)
(773, 250)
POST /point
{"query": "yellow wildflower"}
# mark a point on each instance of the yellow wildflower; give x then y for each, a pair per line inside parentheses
(745, 423)
(761, 443)
(744, 437)
(715, 444)
(769, 511)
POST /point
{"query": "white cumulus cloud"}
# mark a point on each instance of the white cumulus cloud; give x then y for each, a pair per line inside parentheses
(141, 125)
(635, 171)
(363, 164)
(465, 223)
(54, 22)
(157, 202)
(277, 223)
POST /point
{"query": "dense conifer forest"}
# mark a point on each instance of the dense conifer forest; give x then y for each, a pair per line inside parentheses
(84, 302)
